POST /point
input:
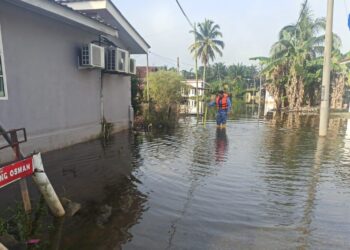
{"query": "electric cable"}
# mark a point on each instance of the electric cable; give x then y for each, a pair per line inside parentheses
(184, 13)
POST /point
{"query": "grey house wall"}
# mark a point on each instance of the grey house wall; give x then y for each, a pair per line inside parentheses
(56, 102)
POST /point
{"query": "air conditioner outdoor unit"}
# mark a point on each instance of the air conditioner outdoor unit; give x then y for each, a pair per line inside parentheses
(132, 66)
(92, 56)
(111, 59)
(122, 61)
(118, 60)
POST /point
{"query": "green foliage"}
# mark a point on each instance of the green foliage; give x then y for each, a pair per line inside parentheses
(294, 67)
(25, 226)
(165, 89)
(106, 130)
(136, 94)
(234, 79)
(3, 227)
(207, 43)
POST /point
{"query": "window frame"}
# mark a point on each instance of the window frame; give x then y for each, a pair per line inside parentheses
(5, 97)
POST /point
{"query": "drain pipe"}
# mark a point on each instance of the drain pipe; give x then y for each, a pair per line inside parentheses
(44, 185)
(41, 180)
(102, 112)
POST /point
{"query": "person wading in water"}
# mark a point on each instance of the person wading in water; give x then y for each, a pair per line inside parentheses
(223, 105)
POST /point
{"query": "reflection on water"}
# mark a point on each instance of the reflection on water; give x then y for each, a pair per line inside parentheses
(101, 178)
(306, 222)
(221, 143)
(254, 185)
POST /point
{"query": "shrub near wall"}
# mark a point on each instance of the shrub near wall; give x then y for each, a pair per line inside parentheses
(165, 98)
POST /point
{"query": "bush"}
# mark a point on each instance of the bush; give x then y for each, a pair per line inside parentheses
(165, 89)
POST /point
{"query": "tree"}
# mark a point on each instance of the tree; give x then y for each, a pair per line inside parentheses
(293, 69)
(207, 43)
(339, 79)
(136, 94)
(165, 89)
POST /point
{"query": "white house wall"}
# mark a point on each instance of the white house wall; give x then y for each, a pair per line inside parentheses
(56, 102)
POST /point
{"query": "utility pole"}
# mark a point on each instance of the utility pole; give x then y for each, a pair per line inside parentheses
(196, 69)
(324, 110)
(259, 106)
(178, 65)
(147, 79)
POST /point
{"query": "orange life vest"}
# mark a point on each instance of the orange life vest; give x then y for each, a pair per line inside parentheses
(223, 104)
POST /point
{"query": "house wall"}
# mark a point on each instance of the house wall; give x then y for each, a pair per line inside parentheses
(56, 102)
(269, 103)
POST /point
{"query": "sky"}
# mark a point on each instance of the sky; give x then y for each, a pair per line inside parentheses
(249, 27)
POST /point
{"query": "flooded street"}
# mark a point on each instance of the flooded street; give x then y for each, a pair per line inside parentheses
(256, 185)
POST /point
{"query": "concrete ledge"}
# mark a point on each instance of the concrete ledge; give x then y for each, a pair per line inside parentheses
(61, 138)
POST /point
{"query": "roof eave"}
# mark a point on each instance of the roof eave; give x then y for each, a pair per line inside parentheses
(116, 14)
(57, 11)
(137, 37)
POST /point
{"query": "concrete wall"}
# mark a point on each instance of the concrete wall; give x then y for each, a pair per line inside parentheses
(56, 102)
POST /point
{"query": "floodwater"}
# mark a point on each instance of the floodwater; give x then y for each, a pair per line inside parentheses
(270, 184)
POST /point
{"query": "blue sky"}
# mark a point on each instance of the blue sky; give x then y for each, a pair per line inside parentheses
(249, 27)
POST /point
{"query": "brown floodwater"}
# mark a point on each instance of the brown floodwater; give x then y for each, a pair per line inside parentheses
(271, 184)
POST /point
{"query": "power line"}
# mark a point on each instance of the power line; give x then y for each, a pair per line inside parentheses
(170, 59)
(164, 31)
(184, 13)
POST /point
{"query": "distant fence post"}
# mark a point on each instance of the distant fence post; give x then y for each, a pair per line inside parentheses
(23, 182)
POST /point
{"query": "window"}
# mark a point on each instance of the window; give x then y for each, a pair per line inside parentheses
(3, 87)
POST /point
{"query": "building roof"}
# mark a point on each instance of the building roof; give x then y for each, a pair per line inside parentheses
(54, 10)
(108, 21)
(105, 11)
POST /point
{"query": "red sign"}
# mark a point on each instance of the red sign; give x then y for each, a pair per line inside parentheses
(16, 171)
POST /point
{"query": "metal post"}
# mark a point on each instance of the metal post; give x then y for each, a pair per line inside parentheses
(102, 112)
(196, 69)
(178, 65)
(259, 106)
(324, 110)
(22, 183)
(147, 78)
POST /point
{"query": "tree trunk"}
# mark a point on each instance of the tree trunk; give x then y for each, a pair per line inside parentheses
(275, 91)
(338, 89)
(295, 91)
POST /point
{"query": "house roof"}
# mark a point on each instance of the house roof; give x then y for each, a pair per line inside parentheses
(105, 11)
(98, 15)
(55, 10)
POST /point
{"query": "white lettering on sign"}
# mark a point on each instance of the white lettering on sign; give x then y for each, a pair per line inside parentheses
(3, 177)
(16, 171)
(19, 170)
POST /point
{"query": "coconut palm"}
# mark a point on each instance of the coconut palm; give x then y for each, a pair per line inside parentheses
(298, 45)
(207, 44)
(293, 67)
(340, 75)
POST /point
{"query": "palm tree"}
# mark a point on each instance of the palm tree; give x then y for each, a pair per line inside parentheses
(339, 78)
(295, 59)
(298, 44)
(207, 43)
